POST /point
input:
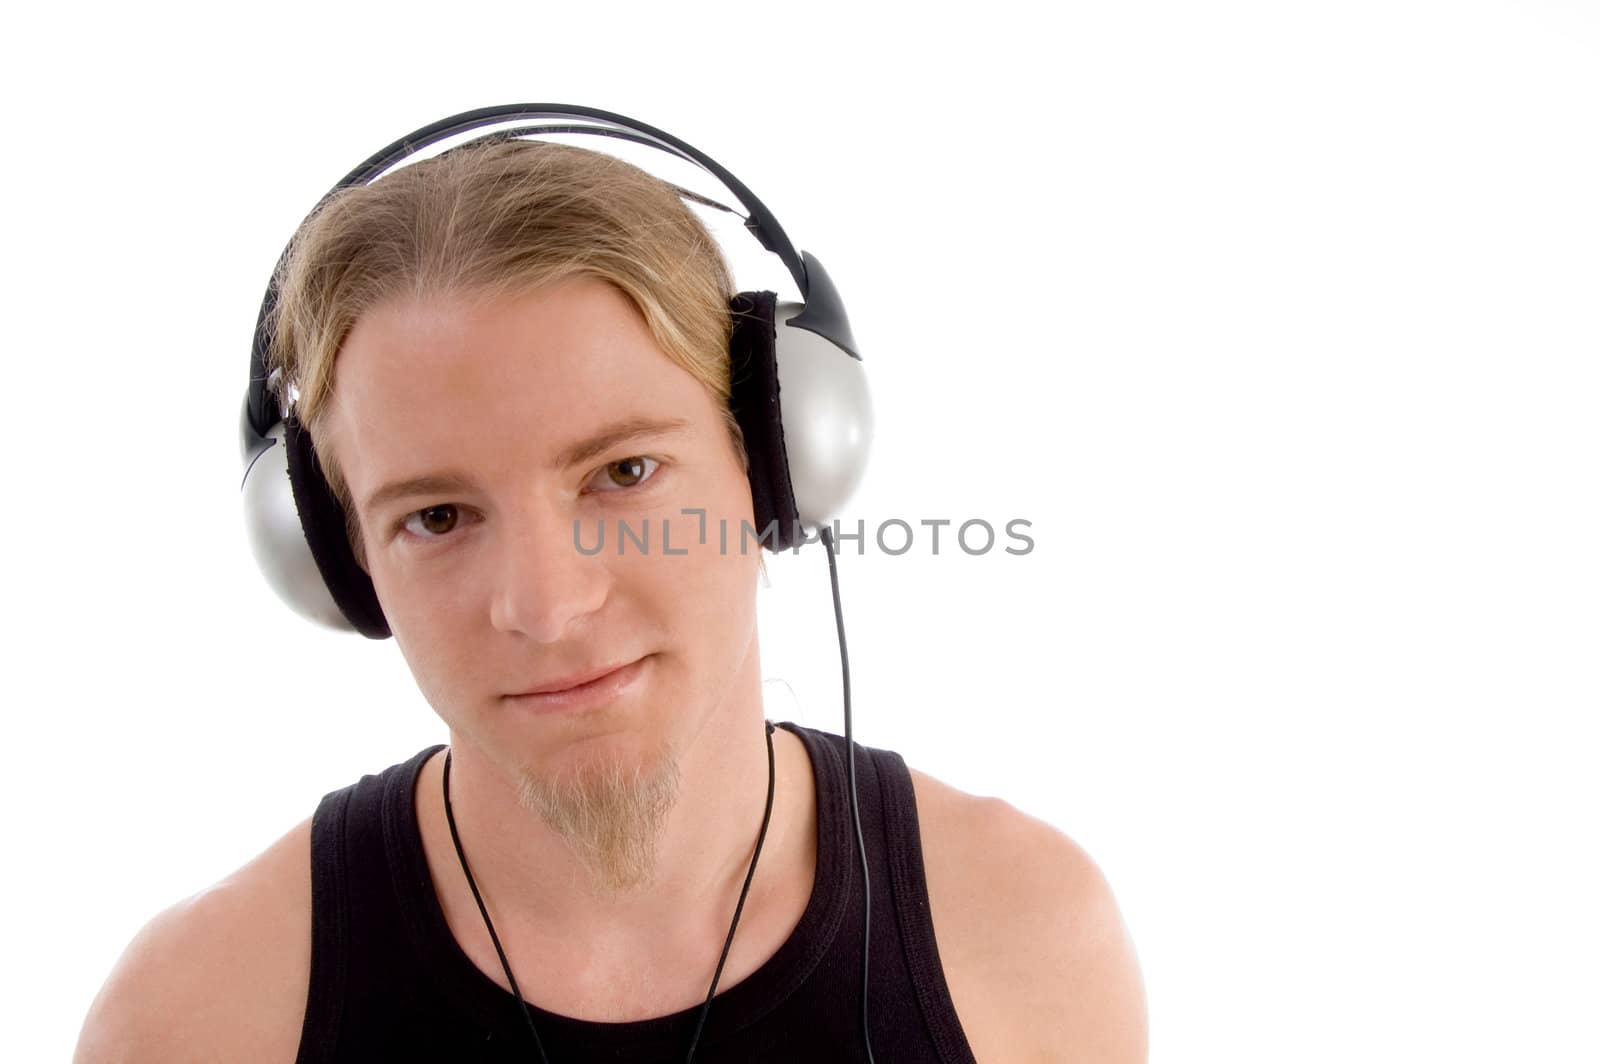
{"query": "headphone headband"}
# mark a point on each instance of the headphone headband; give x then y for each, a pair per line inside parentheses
(589, 120)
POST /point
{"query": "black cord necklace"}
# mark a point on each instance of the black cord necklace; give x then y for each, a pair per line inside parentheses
(450, 816)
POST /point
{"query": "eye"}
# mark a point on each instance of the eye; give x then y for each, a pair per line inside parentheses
(628, 473)
(432, 522)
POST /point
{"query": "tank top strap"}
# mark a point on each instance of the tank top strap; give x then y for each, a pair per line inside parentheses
(349, 852)
(904, 954)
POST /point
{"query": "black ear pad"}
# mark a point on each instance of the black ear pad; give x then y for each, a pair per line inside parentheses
(322, 518)
(754, 354)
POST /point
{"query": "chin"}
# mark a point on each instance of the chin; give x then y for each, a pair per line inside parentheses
(613, 740)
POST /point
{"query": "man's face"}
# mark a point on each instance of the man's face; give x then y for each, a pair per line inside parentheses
(478, 571)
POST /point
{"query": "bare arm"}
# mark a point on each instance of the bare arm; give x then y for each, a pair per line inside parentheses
(221, 976)
(1080, 991)
(1040, 967)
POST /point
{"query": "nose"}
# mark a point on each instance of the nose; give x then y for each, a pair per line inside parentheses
(543, 582)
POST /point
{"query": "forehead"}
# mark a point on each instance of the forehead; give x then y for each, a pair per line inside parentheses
(480, 381)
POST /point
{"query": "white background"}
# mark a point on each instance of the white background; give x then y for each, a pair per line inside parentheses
(1278, 321)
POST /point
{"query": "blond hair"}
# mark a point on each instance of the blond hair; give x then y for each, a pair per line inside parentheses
(498, 218)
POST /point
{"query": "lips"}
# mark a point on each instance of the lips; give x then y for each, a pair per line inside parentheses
(576, 679)
(584, 692)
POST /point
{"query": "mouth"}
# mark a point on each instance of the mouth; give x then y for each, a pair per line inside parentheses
(587, 690)
(574, 680)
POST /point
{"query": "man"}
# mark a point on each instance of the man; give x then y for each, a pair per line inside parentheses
(502, 355)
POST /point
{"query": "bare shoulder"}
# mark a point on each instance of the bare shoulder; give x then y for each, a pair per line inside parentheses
(1039, 964)
(221, 975)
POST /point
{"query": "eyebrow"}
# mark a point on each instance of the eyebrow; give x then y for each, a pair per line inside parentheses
(623, 431)
(584, 450)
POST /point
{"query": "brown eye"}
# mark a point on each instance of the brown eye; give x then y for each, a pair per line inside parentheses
(433, 521)
(630, 472)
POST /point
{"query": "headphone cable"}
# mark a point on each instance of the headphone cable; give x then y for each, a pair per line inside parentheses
(826, 535)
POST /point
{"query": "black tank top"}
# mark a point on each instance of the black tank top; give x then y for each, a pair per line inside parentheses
(390, 983)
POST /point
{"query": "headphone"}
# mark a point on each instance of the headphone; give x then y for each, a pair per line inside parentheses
(799, 394)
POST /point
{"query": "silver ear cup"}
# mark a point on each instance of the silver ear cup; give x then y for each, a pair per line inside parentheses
(827, 419)
(272, 524)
